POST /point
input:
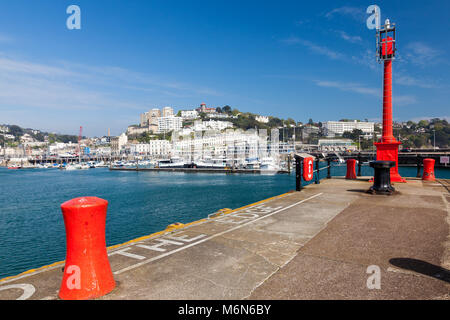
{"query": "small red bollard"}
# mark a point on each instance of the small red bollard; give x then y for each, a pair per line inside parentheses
(428, 170)
(87, 272)
(351, 165)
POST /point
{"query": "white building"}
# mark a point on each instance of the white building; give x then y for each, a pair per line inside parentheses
(8, 136)
(167, 112)
(26, 138)
(212, 124)
(262, 119)
(189, 114)
(118, 142)
(333, 128)
(336, 145)
(153, 148)
(166, 124)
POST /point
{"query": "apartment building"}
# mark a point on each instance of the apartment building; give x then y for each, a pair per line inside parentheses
(332, 128)
(166, 124)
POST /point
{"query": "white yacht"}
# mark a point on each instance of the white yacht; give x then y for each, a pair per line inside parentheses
(269, 165)
(84, 166)
(71, 167)
(211, 163)
(252, 163)
(174, 162)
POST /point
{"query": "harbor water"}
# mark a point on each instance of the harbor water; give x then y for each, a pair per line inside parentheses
(31, 225)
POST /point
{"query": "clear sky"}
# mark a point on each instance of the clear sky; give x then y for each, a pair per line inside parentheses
(298, 59)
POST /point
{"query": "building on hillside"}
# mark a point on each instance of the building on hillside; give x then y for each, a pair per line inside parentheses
(167, 112)
(26, 138)
(136, 131)
(8, 136)
(150, 117)
(204, 109)
(217, 115)
(200, 125)
(308, 129)
(262, 119)
(189, 114)
(166, 124)
(333, 128)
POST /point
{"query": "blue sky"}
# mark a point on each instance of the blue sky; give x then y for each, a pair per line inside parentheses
(298, 59)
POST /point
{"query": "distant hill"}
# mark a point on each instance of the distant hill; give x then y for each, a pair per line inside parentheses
(38, 135)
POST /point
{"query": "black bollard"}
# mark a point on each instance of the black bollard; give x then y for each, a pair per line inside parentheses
(298, 174)
(317, 181)
(419, 161)
(328, 168)
(382, 177)
(359, 164)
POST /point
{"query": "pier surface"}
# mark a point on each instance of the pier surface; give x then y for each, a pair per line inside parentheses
(313, 244)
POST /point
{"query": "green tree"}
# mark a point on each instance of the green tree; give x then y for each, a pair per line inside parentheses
(423, 123)
(226, 109)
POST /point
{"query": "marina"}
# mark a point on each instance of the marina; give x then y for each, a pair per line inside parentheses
(196, 153)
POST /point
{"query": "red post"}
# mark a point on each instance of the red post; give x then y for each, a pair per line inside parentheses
(428, 170)
(388, 135)
(87, 272)
(387, 148)
(351, 165)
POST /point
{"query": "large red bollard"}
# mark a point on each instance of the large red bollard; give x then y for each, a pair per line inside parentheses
(428, 170)
(351, 173)
(87, 272)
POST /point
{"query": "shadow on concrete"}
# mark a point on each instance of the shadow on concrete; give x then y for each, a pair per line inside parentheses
(357, 190)
(422, 267)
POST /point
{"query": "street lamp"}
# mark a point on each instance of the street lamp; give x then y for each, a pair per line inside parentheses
(434, 140)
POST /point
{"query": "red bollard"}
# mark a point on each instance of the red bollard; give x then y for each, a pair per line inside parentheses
(351, 173)
(87, 273)
(428, 170)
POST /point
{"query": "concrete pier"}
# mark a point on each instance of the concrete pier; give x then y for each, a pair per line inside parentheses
(313, 244)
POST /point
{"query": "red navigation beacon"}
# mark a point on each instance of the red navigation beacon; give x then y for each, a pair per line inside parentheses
(387, 147)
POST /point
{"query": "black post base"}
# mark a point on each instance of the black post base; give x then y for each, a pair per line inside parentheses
(382, 177)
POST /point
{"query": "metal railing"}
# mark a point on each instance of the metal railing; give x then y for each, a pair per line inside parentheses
(299, 171)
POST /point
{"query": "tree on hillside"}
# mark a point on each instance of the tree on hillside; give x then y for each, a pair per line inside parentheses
(226, 109)
(423, 123)
(16, 131)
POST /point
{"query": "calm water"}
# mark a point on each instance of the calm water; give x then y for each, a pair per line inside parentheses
(32, 229)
